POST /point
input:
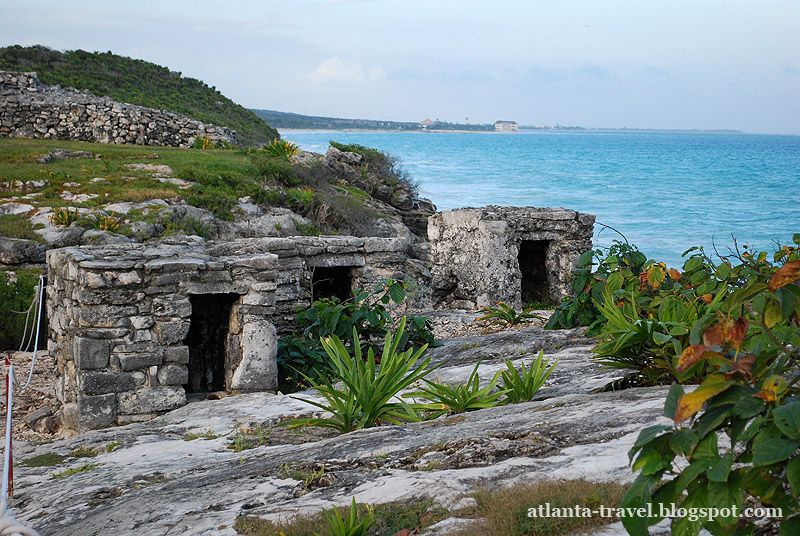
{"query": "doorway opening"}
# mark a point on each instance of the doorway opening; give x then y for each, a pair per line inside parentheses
(207, 341)
(532, 257)
(332, 281)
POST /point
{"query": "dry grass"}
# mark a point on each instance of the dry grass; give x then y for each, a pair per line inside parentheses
(505, 512)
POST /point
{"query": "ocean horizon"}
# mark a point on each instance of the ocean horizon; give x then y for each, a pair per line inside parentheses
(665, 191)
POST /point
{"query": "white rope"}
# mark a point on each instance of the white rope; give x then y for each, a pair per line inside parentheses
(9, 526)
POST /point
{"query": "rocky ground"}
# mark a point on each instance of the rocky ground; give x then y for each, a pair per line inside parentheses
(177, 474)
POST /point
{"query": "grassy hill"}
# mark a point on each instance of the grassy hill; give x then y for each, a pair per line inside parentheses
(137, 82)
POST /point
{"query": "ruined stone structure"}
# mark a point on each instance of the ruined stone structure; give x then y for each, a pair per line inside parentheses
(136, 327)
(481, 256)
(311, 267)
(31, 110)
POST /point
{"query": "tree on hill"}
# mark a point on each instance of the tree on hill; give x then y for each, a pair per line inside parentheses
(137, 82)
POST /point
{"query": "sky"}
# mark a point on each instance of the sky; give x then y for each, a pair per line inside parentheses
(656, 64)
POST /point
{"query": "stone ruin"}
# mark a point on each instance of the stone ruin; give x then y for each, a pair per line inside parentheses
(29, 109)
(516, 255)
(135, 328)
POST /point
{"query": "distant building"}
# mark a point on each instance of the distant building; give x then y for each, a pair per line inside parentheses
(505, 126)
(425, 123)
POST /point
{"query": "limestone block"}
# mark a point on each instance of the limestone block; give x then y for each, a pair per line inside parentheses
(172, 306)
(327, 260)
(172, 332)
(134, 361)
(151, 400)
(97, 383)
(173, 374)
(176, 354)
(97, 411)
(258, 368)
(90, 354)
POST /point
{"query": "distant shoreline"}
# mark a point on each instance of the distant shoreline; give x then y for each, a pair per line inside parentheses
(522, 130)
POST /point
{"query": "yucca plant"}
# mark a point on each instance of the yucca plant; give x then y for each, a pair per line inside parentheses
(505, 315)
(349, 527)
(522, 387)
(281, 149)
(63, 216)
(104, 222)
(458, 398)
(365, 396)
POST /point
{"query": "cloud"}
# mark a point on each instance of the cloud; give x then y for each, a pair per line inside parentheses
(336, 69)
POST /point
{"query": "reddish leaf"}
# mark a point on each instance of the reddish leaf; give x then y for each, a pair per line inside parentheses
(788, 273)
(674, 274)
(691, 403)
(742, 367)
(694, 354)
(738, 331)
(715, 335)
(707, 298)
(655, 276)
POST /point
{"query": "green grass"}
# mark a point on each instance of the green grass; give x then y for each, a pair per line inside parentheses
(505, 511)
(47, 459)
(74, 470)
(138, 82)
(83, 452)
(18, 226)
(390, 518)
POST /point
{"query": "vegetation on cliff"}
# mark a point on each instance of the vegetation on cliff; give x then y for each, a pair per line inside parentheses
(137, 82)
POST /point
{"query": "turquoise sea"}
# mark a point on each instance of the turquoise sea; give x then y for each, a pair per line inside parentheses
(665, 191)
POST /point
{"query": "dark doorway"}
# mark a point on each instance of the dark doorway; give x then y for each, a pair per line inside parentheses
(207, 338)
(532, 256)
(332, 281)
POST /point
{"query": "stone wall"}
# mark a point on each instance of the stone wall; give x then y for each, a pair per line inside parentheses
(120, 315)
(371, 261)
(30, 110)
(476, 253)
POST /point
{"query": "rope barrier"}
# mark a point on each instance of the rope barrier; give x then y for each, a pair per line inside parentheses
(9, 526)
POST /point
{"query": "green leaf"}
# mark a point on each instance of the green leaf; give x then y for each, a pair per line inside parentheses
(773, 451)
(397, 292)
(638, 496)
(683, 441)
(646, 436)
(650, 462)
(712, 419)
(793, 475)
(661, 338)
(686, 526)
(726, 494)
(706, 449)
(790, 526)
(748, 406)
(787, 419)
(720, 468)
(675, 392)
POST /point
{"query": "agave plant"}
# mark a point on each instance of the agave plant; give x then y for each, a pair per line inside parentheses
(281, 149)
(366, 397)
(63, 216)
(351, 526)
(457, 398)
(522, 387)
(505, 315)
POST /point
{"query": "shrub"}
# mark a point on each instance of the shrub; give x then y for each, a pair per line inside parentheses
(350, 526)
(750, 399)
(275, 169)
(17, 290)
(301, 355)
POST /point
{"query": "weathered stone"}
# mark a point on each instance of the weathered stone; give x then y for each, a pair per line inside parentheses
(176, 354)
(18, 251)
(133, 361)
(172, 374)
(257, 370)
(97, 383)
(90, 354)
(172, 306)
(151, 400)
(172, 332)
(97, 411)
